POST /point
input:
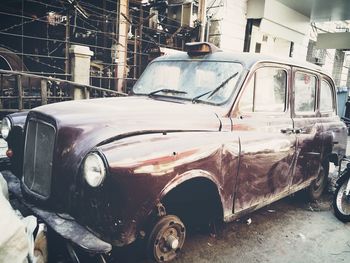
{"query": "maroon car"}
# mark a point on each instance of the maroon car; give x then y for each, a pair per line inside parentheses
(207, 135)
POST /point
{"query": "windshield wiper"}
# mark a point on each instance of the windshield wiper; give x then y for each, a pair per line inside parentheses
(212, 92)
(222, 84)
(200, 96)
(173, 91)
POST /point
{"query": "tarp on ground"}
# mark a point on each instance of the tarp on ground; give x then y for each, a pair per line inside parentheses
(14, 245)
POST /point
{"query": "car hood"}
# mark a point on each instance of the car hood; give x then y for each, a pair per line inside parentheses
(130, 115)
(84, 124)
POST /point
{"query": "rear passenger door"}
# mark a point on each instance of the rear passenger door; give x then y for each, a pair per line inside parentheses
(307, 125)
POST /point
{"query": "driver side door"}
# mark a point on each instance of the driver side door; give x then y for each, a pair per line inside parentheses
(263, 122)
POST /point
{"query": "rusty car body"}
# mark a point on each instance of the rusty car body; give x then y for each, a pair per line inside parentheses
(207, 133)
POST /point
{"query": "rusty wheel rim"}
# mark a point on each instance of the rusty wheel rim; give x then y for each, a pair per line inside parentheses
(169, 241)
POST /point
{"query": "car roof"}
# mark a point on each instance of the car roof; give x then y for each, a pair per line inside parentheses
(248, 60)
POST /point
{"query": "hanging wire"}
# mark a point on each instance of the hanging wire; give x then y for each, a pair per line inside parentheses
(20, 24)
(30, 56)
(149, 38)
(45, 4)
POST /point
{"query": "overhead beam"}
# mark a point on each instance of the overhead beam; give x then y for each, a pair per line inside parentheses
(321, 10)
(333, 40)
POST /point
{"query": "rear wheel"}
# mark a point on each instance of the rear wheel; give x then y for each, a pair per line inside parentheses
(166, 239)
(341, 202)
(317, 187)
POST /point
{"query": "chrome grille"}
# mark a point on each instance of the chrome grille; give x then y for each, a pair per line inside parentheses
(38, 156)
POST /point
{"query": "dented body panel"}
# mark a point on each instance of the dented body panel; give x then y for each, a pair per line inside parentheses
(152, 146)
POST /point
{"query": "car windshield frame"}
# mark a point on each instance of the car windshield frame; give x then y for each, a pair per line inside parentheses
(237, 69)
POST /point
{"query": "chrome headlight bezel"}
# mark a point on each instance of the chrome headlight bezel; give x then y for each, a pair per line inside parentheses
(6, 126)
(94, 169)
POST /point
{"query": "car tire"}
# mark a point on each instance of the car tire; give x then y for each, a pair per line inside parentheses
(340, 200)
(317, 187)
(166, 239)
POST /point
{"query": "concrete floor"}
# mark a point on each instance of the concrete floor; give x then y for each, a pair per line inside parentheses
(290, 230)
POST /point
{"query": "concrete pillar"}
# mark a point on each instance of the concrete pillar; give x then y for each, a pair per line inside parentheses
(203, 18)
(80, 69)
(348, 80)
(338, 67)
(329, 60)
(122, 48)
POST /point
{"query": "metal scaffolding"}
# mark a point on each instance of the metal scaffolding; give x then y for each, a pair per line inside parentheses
(124, 35)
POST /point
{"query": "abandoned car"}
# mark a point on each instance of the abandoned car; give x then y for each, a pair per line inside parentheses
(207, 135)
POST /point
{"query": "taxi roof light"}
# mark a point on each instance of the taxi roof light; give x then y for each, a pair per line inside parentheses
(200, 48)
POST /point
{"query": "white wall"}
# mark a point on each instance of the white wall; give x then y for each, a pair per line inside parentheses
(234, 24)
(231, 18)
(281, 25)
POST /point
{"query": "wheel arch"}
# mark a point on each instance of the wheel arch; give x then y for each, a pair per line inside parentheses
(202, 179)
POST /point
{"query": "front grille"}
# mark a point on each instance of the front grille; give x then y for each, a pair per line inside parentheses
(38, 155)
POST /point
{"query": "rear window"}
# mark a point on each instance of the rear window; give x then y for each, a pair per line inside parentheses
(304, 92)
(326, 97)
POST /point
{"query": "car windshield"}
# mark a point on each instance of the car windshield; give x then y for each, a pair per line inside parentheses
(198, 81)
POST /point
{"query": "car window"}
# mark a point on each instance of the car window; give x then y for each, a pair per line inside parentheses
(191, 80)
(304, 92)
(265, 92)
(326, 97)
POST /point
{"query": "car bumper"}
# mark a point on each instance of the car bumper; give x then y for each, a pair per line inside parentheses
(63, 225)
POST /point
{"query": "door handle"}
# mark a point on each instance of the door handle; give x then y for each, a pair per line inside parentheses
(290, 130)
(287, 130)
(298, 130)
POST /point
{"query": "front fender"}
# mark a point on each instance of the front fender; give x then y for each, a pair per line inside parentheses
(143, 169)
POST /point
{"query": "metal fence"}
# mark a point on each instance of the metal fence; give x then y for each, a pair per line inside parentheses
(40, 33)
(21, 91)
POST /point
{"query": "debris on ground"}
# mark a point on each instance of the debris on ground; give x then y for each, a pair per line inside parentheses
(260, 239)
(310, 208)
(249, 221)
(301, 236)
(213, 230)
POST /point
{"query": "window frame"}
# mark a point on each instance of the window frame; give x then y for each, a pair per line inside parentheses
(334, 107)
(316, 99)
(252, 77)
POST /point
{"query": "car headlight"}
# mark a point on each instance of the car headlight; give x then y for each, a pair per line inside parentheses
(94, 169)
(5, 127)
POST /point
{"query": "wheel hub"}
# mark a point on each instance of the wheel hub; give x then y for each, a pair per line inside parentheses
(169, 239)
(172, 242)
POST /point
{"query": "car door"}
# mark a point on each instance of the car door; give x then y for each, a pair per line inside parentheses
(308, 125)
(261, 117)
